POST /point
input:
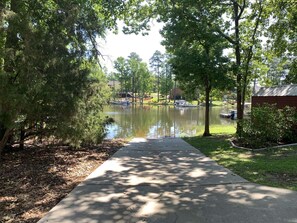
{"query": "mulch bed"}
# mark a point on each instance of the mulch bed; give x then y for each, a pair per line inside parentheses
(35, 179)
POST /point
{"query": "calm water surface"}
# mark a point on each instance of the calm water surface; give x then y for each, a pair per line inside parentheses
(160, 121)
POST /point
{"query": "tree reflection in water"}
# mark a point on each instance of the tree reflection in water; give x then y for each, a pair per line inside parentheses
(160, 121)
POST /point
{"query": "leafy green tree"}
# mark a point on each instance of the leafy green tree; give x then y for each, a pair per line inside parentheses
(156, 62)
(166, 77)
(283, 28)
(134, 75)
(291, 78)
(277, 72)
(202, 66)
(239, 22)
(146, 80)
(122, 73)
(134, 62)
(87, 124)
(44, 49)
(281, 36)
(198, 59)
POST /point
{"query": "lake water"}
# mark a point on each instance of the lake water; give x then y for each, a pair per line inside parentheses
(160, 121)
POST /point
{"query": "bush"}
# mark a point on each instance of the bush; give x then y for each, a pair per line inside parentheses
(290, 129)
(269, 125)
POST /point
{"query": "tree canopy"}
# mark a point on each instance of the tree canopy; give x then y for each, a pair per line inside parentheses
(133, 75)
(48, 56)
(242, 24)
(197, 54)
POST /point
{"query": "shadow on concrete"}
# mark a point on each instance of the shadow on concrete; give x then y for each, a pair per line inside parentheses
(167, 180)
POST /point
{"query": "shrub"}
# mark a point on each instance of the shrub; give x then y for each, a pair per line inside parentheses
(290, 127)
(269, 125)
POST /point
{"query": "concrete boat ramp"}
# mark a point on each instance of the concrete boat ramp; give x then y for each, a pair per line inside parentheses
(169, 181)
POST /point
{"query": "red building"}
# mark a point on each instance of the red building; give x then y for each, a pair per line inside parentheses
(285, 95)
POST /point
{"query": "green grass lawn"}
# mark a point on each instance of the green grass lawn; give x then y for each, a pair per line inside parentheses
(219, 129)
(214, 103)
(274, 167)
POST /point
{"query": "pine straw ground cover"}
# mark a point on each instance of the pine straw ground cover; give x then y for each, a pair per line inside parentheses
(36, 179)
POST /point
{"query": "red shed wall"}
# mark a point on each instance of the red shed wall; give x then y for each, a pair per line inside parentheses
(280, 101)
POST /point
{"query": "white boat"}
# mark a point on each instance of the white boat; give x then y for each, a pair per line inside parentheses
(183, 103)
(125, 103)
(231, 114)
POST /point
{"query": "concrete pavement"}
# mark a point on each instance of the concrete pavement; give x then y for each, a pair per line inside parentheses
(167, 180)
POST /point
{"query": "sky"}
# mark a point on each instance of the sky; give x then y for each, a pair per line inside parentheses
(118, 45)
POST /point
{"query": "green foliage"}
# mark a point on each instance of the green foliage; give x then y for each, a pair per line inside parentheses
(157, 63)
(197, 54)
(239, 24)
(46, 51)
(133, 75)
(86, 126)
(268, 125)
(166, 82)
(291, 78)
(283, 30)
(122, 73)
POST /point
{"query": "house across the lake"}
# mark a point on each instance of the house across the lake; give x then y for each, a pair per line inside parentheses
(282, 96)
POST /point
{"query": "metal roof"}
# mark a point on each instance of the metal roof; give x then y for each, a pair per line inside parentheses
(284, 90)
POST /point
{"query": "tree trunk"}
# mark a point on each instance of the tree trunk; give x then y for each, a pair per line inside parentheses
(4, 139)
(12, 35)
(22, 138)
(133, 89)
(2, 131)
(238, 70)
(247, 64)
(158, 85)
(206, 125)
(2, 34)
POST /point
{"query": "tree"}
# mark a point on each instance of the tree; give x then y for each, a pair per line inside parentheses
(122, 74)
(166, 76)
(145, 80)
(282, 35)
(46, 49)
(134, 75)
(197, 54)
(239, 22)
(87, 124)
(291, 78)
(200, 65)
(282, 31)
(156, 62)
(134, 67)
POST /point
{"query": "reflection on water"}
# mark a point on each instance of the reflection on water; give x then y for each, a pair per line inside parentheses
(160, 121)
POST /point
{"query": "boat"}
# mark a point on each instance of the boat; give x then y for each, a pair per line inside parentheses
(183, 103)
(124, 103)
(232, 114)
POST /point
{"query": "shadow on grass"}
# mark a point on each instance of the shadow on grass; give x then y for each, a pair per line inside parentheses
(274, 167)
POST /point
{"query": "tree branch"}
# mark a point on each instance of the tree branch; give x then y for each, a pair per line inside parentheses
(250, 49)
(228, 38)
(242, 8)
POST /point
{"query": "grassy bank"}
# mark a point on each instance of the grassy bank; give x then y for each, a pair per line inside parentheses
(274, 167)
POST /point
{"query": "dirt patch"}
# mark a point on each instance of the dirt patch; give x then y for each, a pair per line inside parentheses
(35, 179)
(283, 178)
